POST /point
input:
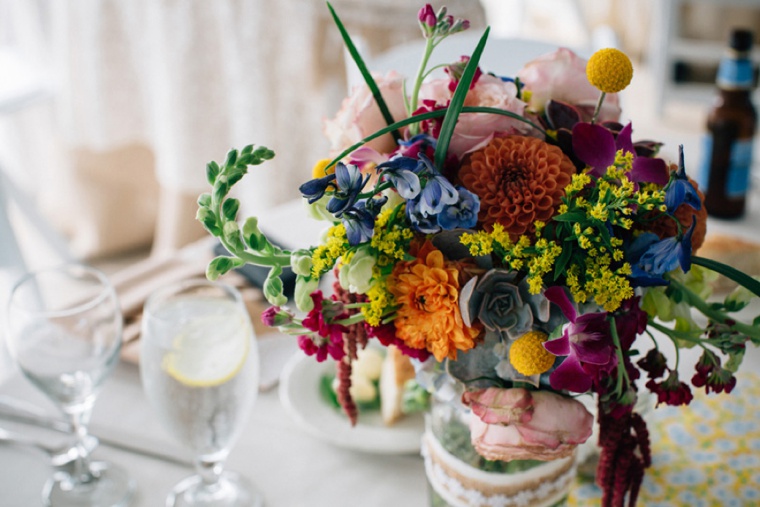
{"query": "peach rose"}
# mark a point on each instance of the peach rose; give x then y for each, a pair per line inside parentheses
(359, 115)
(510, 424)
(561, 76)
(475, 130)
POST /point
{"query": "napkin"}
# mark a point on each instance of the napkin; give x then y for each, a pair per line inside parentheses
(136, 282)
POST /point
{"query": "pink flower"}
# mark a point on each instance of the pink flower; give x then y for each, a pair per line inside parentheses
(475, 130)
(561, 76)
(511, 424)
(359, 115)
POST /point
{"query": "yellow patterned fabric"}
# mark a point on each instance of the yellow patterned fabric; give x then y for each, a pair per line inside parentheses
(703, 455)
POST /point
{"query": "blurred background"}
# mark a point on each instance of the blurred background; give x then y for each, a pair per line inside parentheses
(110, 109)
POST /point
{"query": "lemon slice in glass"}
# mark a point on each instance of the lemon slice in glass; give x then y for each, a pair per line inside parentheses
(208, 353)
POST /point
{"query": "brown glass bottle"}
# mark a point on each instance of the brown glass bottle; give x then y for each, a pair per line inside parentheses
(731, 127)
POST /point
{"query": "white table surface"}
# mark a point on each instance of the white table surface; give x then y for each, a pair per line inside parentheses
(289, 466)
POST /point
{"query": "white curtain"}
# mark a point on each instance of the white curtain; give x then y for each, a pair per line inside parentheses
(149, 91)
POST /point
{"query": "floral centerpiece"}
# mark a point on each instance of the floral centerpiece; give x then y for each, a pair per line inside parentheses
(509, 234)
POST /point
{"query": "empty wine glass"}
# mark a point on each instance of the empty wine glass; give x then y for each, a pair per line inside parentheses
(64, 332)
(200, 371)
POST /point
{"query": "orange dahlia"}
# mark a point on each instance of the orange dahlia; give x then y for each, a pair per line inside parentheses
(519, 180)
(427, 292)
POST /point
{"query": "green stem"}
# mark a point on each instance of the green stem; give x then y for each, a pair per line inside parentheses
(598, 107)
(420, 78)
(716, 315)
(353, 319)
(622, 375)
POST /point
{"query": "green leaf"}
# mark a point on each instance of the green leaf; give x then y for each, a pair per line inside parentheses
(235, 175)
(457, 102)
(212, 171)
(252, 235)
(231, 233)
(734, 360)
(219, 266)
(232, 156)
(365, 73)
(261, 154)
(570, 216)
(230, 208)
(273, 287)
(247, 150)
(562, 260)
(423, 117)
(206, 217)
(204, 200)
(734, 274)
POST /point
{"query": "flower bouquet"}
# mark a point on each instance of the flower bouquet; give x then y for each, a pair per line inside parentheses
(510, 236)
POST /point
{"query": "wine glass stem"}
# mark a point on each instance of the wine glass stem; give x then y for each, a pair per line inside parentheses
(209, 471)
(81, 472)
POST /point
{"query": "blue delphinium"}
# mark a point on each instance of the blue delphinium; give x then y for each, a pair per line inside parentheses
(313, 190)
(680, 190)
(462, 214)
(653, 257)
(350, 182)
(400, 171)
(359, 221)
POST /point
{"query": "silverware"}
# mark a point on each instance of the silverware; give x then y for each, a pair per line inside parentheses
(19, 411)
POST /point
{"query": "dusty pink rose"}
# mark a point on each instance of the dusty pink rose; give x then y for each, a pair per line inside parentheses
(359, 115)
(475, 130)
(511, 424)
(561, 76)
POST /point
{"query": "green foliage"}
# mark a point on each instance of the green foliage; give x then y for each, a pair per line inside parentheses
(351, 47)
(218, 214)
(457, 102)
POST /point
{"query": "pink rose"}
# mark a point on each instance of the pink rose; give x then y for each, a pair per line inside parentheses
(475, 130)
(359, 115)
(561, 76)
(516, 423)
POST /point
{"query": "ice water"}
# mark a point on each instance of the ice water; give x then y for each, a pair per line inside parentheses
(199, 381)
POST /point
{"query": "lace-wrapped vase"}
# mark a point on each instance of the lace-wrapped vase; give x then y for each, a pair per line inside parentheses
(459, 477)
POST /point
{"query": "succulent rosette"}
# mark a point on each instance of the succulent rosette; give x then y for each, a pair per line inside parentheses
(510, 236)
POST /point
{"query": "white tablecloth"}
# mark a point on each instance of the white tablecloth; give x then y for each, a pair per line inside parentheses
(289, 466)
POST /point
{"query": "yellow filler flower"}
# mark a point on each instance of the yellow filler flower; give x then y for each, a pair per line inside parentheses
(609, 70)
(528, 355)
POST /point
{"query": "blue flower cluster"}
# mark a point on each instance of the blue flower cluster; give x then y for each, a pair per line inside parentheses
(432, 202)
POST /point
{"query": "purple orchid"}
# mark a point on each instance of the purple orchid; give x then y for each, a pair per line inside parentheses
(596, 146)
(586, 339)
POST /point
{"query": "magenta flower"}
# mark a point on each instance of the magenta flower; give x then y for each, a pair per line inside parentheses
(671, 391)
(596, 146)
(326, 337)
(586, 339)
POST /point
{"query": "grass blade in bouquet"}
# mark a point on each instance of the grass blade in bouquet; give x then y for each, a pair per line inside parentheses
(364, 72)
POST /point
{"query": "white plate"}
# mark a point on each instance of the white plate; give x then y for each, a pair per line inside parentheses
(299, 393)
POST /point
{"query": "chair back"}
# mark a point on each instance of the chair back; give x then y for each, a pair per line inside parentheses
(502, 56)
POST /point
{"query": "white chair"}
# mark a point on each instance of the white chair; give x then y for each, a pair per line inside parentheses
(503, 56)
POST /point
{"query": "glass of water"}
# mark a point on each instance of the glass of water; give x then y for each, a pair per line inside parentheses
(64, 332)
(200, 371)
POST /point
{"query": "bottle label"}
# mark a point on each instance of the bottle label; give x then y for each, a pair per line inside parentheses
(738, 170)
(735, 74)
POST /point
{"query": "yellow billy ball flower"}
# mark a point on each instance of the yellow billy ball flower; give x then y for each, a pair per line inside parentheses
(610, 70)
(321, 170)
(528, 355)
